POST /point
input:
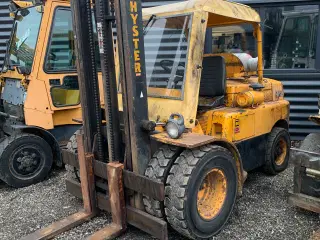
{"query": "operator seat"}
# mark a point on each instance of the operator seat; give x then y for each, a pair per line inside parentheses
(213, 82)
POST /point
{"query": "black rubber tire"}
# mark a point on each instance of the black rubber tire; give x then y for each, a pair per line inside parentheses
(9, 148)
(311, 143)
(270, 166)
(158, 169)
(310, 185)
(185, 178)
(72, 146)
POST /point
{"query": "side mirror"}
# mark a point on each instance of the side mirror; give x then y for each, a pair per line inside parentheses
(23, 70)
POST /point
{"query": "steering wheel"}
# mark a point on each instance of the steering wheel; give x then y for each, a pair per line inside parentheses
(174, 78)
(166, 63)
(53, 56)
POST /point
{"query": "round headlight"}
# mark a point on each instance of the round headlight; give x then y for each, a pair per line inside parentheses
(175, 125)
(172, 129)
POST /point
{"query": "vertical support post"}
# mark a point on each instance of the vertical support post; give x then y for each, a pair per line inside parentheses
(122, 77)
(208, 41)
(260, 51)
(104, 19)
(135, 83)
(87, 74)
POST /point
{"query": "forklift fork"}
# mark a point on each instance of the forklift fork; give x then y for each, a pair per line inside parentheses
(116, 197)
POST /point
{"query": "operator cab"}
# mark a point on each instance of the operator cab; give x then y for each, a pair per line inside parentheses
(179, 72)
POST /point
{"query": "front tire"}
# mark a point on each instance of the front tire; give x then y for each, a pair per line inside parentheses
(201, 191)
(26, 159)
(158, 169)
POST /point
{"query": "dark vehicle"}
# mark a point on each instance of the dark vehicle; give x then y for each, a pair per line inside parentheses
(290, 44)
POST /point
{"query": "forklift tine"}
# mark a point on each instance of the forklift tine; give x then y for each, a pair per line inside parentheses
(89, 202)
(59, 227)
(86, 176)
(117, 204)
(109, 232)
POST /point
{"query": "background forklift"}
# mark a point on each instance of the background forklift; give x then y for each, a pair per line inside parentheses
(202, 112)
(39, 91)
(301, 52)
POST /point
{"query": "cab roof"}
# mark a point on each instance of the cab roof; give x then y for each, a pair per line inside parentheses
(221, 12)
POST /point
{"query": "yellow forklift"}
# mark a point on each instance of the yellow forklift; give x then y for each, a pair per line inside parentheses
(183, 128)
(40, 99)
(39, 92)
(209, 118)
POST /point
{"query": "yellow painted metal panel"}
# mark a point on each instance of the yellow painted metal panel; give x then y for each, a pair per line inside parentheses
(243, 127)
(38, 118)
(37, 97)
(260, 121)
(66, 116)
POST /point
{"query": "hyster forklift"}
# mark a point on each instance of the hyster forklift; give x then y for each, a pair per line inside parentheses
(209, 118)
(182, 128)
(40, 97)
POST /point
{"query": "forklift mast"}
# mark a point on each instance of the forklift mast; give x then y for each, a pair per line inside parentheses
(132, 79)
(87, 75)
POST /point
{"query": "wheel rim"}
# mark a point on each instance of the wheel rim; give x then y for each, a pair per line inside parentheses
(280, 152)
(212, 194)
(26, 161)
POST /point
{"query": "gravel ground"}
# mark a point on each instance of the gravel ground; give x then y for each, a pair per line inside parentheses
(262, 212)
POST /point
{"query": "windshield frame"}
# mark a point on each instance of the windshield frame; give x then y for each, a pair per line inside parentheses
(182, 90)
(7, 57)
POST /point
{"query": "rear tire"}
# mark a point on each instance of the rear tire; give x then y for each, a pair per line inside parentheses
(277, 152)
(197, 203)
(26, 159)
(311, 143)
(158, 169)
